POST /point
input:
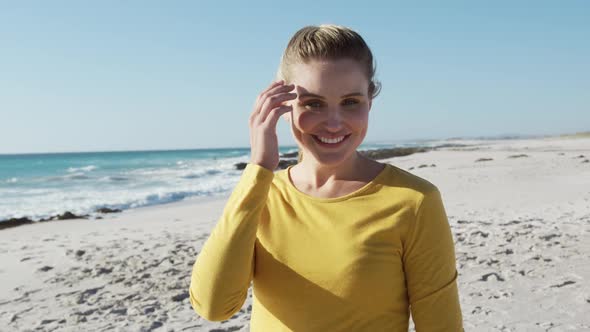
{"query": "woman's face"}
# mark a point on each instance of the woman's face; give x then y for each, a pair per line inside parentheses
(332, 102)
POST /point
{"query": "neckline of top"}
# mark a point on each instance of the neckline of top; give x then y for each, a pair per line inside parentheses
(287, 178)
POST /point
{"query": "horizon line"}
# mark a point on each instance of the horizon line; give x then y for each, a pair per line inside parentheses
(499, 136)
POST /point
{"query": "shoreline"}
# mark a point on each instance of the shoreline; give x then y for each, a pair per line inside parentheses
(286, 160)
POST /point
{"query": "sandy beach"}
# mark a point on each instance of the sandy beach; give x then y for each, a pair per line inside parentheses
(519, 212)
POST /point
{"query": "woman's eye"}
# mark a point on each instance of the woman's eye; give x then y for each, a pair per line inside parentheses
(313, 104)
(317, 104)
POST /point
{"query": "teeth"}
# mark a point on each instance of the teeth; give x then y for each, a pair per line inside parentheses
(331, 140)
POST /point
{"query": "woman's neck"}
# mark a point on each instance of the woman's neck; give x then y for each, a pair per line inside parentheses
(318, 176)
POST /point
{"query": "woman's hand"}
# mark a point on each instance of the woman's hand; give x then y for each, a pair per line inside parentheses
(264, 146)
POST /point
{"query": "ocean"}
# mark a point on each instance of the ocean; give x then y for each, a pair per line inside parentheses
(39, 186)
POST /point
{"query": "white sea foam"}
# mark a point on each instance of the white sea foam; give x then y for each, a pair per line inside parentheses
(200, 173)
(113, 178)
(84, 189)
(168, 186)
(76, 176)
(88, 168)
(12, 180)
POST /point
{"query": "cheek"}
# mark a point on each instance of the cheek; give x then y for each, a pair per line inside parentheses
(359, 119)
(305, 121)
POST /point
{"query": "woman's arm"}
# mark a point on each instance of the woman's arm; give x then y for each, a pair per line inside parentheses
(223, 269)
(431, 273)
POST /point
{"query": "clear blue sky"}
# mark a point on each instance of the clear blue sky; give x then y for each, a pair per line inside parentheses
(117, 75)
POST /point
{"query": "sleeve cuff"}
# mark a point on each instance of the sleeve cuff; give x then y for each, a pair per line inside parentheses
(256, 173)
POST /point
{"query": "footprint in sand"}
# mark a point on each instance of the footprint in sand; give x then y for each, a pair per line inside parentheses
(229, 329)
(45, 268)
(565, 283)
(485, 277)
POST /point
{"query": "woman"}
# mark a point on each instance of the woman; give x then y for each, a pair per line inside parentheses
(337, 242)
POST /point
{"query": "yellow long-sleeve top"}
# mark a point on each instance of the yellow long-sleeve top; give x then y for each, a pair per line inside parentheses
(359, 262)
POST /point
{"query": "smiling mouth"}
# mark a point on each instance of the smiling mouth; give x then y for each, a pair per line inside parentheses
(330, 143)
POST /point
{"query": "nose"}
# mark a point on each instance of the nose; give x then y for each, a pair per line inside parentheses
(334, 121)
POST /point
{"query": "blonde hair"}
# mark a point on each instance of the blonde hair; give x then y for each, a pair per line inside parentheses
(328, 42)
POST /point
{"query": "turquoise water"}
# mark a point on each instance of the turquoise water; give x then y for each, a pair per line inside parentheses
(42, 185)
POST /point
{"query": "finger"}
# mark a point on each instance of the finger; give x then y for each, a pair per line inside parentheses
(275, 114)
(258, 115)
(270, 87)
(267, 94)
(273, 102)
(273, 84)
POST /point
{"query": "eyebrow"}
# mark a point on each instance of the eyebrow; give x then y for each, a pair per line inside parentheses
(354, 94)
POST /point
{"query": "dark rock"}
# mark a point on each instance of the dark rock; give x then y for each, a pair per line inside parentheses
(372, 154)
(107, 210)
(450, 145)
(290, 155)
(483, 159)
(68, 215)
(80, 253)
(286, 163)
(519, 156)
(283, 163)
(46, 268)
(422, 166)
(12, 222)
(392, 152)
